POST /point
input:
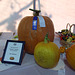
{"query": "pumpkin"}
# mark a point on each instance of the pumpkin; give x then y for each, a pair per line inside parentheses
(46, 54)
(32, 37)
(70, 55)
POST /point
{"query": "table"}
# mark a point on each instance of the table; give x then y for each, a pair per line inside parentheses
(29, 67)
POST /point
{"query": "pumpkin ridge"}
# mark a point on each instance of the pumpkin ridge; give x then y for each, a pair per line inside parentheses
(70, 63)
(68, 54)
(52, 27)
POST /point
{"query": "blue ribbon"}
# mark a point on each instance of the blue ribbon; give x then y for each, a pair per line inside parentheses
(34, 26)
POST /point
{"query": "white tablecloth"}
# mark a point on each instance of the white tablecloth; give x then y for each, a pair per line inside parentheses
(28, 66)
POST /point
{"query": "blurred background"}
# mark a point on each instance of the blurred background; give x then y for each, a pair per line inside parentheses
(61, 12)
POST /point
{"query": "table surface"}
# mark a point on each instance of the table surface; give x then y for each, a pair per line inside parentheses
(28, 66)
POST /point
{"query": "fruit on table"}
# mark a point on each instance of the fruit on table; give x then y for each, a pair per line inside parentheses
(73, 37)
(32, 37)
(70, 55)
(67, 36)
(62, 49)
(68, 40)
(73, 41)
(64, 30)
(46, 53)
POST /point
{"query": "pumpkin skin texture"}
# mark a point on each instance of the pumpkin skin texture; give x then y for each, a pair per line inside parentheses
(46, 54)
(32, 37)
(70, 55)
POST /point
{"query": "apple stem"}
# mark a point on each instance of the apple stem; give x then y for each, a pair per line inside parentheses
(46, 38)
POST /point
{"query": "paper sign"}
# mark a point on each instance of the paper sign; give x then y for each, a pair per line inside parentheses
(13, 52)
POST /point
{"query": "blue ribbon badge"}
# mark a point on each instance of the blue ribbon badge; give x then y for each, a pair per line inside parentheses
(34, 26)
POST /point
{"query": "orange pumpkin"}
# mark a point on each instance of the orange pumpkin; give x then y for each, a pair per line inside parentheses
(32, 37)
(70, 55)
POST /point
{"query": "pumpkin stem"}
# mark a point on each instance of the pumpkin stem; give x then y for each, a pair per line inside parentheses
(46, 38)
(36, 12)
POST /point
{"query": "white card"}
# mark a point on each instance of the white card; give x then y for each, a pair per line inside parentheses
(13, 51)
(41, 21)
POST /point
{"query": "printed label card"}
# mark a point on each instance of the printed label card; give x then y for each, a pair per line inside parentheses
(13, 52)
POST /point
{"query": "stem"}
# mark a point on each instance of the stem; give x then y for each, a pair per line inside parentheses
(36, 12)
(46, 39)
